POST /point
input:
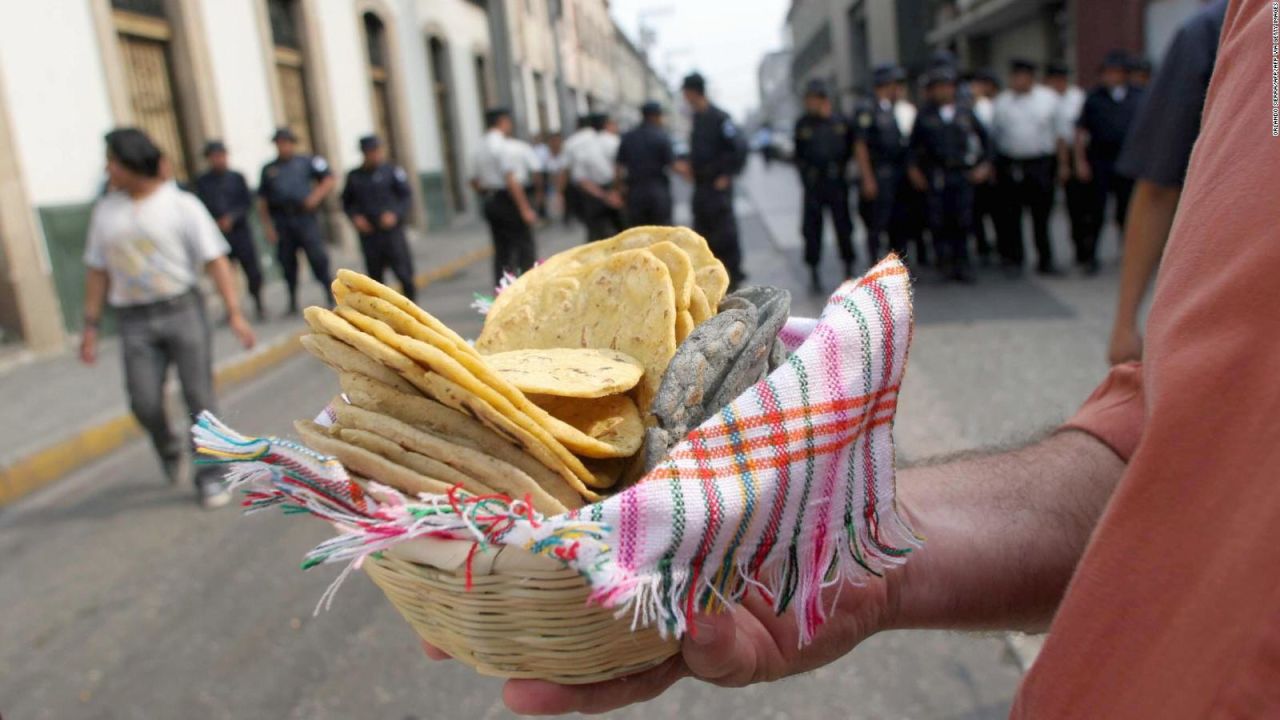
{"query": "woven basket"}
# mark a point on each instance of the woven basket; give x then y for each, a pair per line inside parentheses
(524, 616)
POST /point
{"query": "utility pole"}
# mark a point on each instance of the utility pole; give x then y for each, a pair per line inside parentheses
(568, 113)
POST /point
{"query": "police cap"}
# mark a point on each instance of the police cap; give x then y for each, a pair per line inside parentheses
(985, 75)
(284, 133)
(816, 88)
(1140, 64)
(887, 73)
(651, 108)
(493, 115)
(1057, 68)
(1116, 59)
(942, 58)
(214, 146)
(941, 74)
(1021, 65)
(695, 82)
(370, 142)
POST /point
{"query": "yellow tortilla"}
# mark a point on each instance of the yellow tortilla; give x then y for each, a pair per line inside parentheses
(567, 372)
(614, 419)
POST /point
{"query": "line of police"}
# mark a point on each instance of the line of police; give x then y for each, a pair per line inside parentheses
(291, 189)
(609, 182)
(969, 153)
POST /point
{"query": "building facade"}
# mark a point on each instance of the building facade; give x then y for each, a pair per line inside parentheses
(420, 73)
(778, 105)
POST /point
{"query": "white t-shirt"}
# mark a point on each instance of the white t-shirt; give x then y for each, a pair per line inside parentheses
(577, 150)
(1025, 124)
(522, 160)
(1069, 104)
(154, 248)
(493, 161)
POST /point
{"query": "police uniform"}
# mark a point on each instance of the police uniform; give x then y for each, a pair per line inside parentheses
(226, 194)
(646, 154)
(285, 186)
(877, 128)
(946, 144)
(370, 192)
(823, 148)
(717, 149)
(496, 159)
(1106, 117)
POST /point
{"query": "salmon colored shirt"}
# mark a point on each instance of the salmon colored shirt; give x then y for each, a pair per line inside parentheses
(1174, 609)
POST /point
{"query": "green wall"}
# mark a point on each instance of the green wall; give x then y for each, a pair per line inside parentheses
(436, 197)
(65, 228)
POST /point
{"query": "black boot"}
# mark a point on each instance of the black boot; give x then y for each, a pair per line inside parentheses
(848, 270)
(815, 281)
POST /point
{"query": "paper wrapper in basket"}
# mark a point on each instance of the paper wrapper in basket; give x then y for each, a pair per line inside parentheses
(789, 489)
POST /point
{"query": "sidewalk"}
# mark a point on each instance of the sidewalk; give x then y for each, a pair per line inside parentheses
(58, 414)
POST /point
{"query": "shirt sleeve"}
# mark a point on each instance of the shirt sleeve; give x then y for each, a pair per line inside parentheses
(94, 257)
(204, 240)
(320, 168)
(1158, 146)
(1115, 413)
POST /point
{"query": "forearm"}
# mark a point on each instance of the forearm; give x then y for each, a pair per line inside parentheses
(517, 194)
(95, 294)
(1081, 146)
(264, 215)
(863, 158)
(219, 271)
(1003, 534)
(319, 192)
(1150, 218)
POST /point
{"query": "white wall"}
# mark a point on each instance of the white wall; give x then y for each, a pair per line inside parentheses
(342, 42)
(240, 81)
(415, 81)
(465, 31)
(57, 97)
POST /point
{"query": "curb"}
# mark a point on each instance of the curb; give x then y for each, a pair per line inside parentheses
(46, 465)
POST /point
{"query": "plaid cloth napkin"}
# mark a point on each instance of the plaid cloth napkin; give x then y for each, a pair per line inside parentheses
(790, 488)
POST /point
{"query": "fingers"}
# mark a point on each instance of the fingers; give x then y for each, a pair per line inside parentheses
(537, 697)
(434, 652)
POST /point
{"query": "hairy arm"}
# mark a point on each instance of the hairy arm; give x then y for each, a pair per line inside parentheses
(1003, 535)
(1151, 214)
(219, 270)
(96, 282)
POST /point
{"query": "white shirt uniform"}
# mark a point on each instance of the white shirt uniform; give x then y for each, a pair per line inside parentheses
(575, 150)
(492, 161)
(905, 114)
(152, 249)
(523, 161)
(1025, 124)
(985, 110)
(1069, 104)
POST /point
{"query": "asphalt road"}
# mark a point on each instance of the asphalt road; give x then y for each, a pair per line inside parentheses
(122, 599)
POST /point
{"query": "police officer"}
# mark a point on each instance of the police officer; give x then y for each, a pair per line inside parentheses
(291, 190)
(823, 148)
(717, 152)
(226, 195)
(593, 170)
(949, 153)
(376, 198)
(501, 176)
(1109, 109)
(881, 150)
(644, 156)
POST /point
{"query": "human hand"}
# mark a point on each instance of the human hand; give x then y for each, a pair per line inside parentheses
(272, 236)
(869, 189)
(388, 220)
(242, 330)
(917, 178)
(1125, 346)
(1083, 172)
(722, 182)
(89, 345)
(742, 646)
(613, 199)
(980, 173)
(1064, 173)
(311, 203)
(529, 216)
(225, 223)
(362, 224)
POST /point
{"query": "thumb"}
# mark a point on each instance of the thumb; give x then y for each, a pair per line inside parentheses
(713, 652)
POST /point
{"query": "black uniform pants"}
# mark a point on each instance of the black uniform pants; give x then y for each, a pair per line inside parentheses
(513, 248)
(882, 215)
(909, 220)
(1106, 182)
(1077, 196)
(986, 204)
(949, 203)
(713, 219)
(385, 249)
(245, 253)
(1024, 184)
(602, 220)
(648, 204)
(832, 196)
(296, 232)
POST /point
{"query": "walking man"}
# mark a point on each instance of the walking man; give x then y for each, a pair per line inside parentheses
(880, 146)
(148, 243)
(501, 174)
(644, 157)
(1025, 141)
(376, 197)
(949, 153)
(226, 195)
(717, 152)
(1104, 122)
(823, 148)
(292, 188)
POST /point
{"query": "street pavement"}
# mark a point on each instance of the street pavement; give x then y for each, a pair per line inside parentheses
(124, 600)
